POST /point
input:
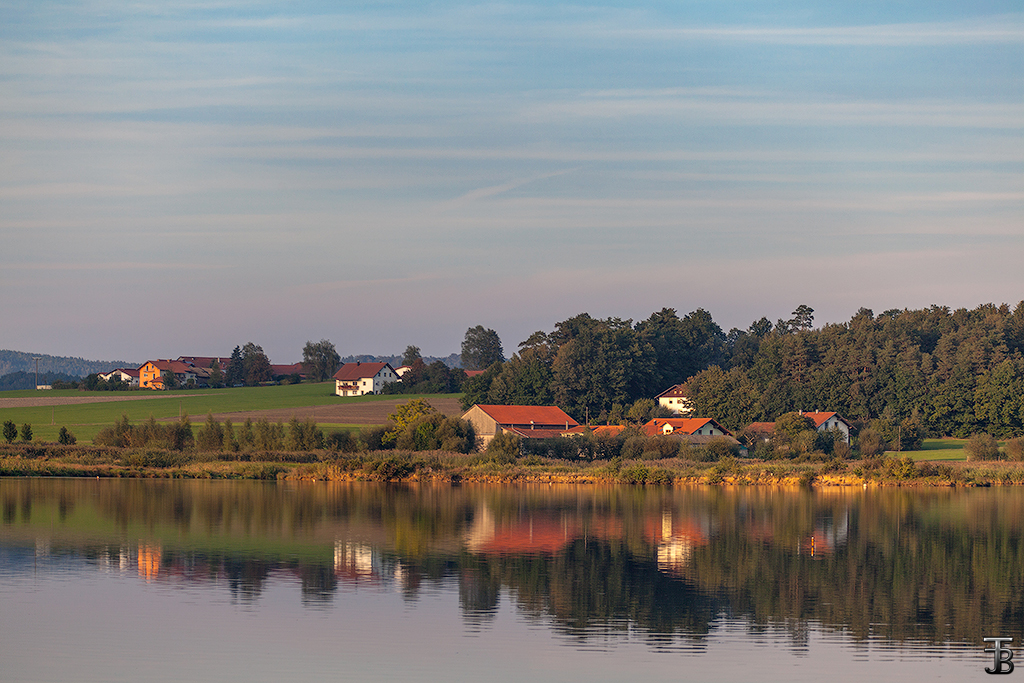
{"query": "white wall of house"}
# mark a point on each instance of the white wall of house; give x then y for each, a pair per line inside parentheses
(679, 405)
(365, 385)
(835, 423)
(706, 430)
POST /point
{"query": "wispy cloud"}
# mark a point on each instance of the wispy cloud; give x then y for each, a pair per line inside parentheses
(991, 30)
(483, 192)
(113, 266)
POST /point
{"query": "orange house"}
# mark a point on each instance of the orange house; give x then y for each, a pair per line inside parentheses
(151, 375)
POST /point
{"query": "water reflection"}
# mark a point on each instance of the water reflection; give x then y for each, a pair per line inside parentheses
(592, 563)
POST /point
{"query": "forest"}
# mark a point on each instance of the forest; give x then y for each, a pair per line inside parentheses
(947, 372)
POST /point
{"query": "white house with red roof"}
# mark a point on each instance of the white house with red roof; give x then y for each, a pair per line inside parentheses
(129, 376)
(675, 399)
(359, 379)
(528, 422)
(689, 426)
(823, 422)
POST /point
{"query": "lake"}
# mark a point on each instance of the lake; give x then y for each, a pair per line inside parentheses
(165, 580)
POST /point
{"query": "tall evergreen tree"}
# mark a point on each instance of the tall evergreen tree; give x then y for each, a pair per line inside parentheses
(235, 374)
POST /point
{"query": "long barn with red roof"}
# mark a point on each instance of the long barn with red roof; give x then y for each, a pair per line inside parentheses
(528, 422)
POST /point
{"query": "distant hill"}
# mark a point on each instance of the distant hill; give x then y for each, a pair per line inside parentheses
(17, 361)
(452, 361)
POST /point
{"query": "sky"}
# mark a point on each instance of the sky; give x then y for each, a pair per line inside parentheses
(181, 177)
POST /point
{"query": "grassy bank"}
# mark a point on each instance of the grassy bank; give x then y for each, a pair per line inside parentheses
(93, 461)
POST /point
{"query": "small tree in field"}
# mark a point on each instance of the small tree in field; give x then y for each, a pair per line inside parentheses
(26, 432)
(10, 431)
(404, 415)
(66, 438)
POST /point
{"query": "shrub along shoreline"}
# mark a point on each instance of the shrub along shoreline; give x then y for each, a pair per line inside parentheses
(49, 459)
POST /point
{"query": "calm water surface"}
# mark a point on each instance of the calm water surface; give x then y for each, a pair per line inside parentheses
(105, 580)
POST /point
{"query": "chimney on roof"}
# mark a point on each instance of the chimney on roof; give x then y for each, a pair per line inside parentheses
(531, 424)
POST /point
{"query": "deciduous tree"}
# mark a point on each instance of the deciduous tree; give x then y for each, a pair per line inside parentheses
(256, 364)
(481, 348)
(320, 359)
(404, 415)
(411, 355)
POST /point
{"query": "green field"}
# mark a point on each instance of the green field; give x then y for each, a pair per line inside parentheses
(85, 420)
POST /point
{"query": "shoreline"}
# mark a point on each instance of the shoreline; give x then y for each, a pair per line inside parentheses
(53, 460)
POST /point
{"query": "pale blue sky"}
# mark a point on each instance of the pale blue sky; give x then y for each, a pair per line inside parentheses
(182, 177)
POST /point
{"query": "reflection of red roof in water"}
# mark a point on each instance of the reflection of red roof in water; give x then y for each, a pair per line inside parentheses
(533, 536)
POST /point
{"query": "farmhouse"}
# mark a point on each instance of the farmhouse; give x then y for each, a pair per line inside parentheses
(674, 398)
(528, 422)
(358, 379)
(823, 422)
(154, 373)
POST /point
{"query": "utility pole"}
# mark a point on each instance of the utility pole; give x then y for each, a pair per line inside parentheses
(37, 359)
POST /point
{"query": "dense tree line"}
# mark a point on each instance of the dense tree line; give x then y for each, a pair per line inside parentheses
(931, 371)
(945, 372)
(594, 367)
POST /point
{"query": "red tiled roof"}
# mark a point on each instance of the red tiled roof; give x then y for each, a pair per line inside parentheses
(819, 418)
(525, 415)
(355, 371)
(766, 427)
(294, 368)
(675, 391)
(204, 361)
(175, 366)
(609, 430)
(474, 373)
(686, 425)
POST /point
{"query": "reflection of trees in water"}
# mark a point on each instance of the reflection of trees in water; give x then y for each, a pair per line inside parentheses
(246, 578)
(479, 591)
(928, 565)
(589, 587)
(318, 584)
